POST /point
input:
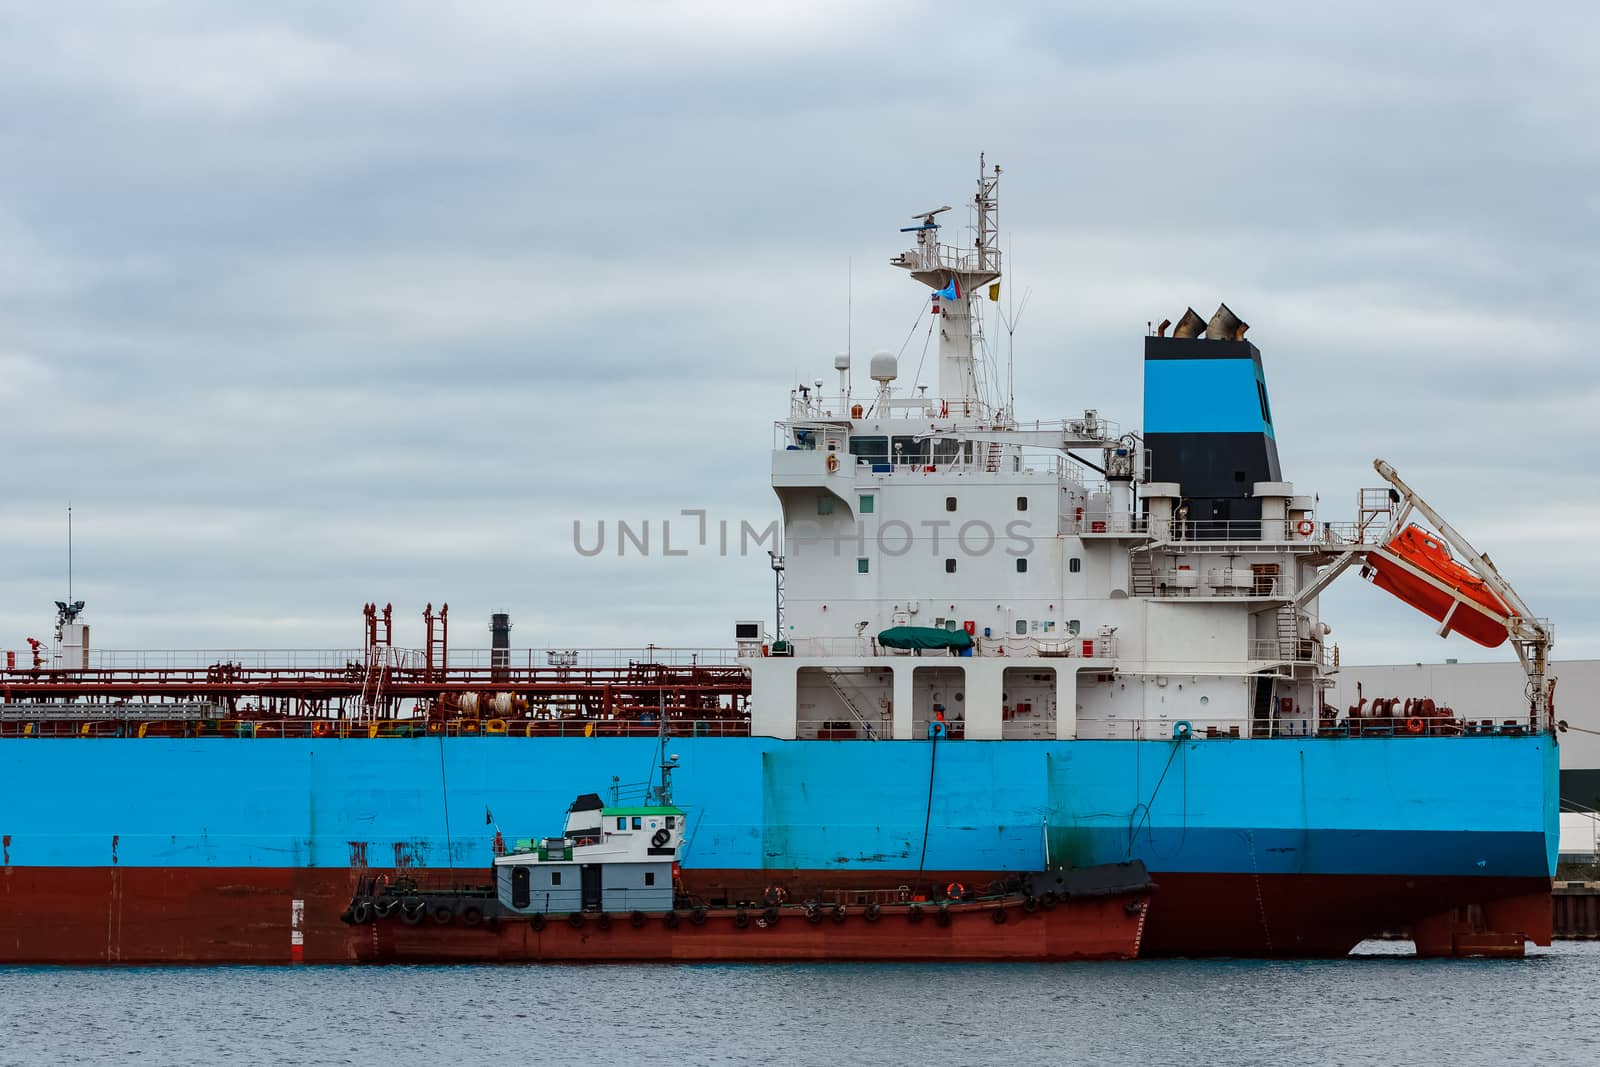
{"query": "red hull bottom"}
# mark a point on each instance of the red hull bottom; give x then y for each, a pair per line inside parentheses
(284, 915)
(1103, 928)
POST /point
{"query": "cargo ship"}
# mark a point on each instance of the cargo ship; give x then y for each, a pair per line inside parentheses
(999, 646)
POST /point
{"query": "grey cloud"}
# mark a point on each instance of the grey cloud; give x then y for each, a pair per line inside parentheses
(323, 305)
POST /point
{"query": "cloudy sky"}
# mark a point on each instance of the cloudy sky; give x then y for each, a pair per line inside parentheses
(321, 304)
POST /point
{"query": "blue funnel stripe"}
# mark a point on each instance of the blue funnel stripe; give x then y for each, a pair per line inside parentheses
(1205, 396)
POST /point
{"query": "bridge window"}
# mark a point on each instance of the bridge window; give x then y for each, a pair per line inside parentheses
(911, 450)
(1022, 565)
(949, 503)
(1022, 503)
(672, 821)
(1074, 564)
(949, 566)
(861, 566)
(867, 504)
(871, 449)
(1022, 627)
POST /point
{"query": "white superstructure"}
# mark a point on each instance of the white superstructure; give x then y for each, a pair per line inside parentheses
(1099, 606)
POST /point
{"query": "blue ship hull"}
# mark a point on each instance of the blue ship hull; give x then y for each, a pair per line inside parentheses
(1283, 846)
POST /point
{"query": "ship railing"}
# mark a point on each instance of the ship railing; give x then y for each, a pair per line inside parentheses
(204, 722)
(116, 659)
(844, 727)
(1215, 582)
(1300, 726)
(1338, 534)
(580, 658)
(1290, 650)
(1229, 531)
(1049, 646)
(1092, 524)
(403, 659)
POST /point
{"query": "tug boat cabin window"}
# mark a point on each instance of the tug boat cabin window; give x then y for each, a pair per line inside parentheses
(649, 877)
(622, 822)
(638, 823)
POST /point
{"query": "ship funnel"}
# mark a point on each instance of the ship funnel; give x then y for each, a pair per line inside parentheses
(1225, 325)
(1190, 325)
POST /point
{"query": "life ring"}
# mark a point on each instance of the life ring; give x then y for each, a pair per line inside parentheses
(1305, 526)
(955, 890)
(775, 895)
(660, 838)
(833, 462)
(1415, 726)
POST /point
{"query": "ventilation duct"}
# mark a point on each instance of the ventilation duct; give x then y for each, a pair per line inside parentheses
(1190, 325)
(1225, 325)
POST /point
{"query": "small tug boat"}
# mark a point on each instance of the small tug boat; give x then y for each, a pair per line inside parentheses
(607, 889)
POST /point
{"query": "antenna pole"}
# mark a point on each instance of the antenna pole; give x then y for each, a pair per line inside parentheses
(69, 552)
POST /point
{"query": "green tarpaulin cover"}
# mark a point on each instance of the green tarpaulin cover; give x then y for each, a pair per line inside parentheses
(924, 637)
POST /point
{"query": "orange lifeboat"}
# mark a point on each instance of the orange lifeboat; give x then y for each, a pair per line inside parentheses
(1428, 554)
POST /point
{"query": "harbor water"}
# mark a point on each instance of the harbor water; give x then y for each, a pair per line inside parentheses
(1380, 1006)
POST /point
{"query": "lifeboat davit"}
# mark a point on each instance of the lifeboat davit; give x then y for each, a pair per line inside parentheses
(1428, 554)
